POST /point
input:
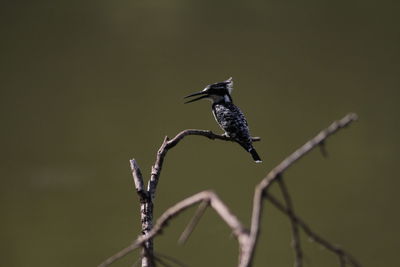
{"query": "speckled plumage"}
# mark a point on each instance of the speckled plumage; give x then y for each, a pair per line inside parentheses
(231, 119)
(228, 116)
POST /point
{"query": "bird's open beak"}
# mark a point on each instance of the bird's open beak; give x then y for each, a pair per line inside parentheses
(201, 93)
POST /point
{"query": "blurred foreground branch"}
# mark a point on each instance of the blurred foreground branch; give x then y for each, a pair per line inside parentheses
(247, 238)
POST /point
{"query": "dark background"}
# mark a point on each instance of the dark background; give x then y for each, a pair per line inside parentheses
(87, 85)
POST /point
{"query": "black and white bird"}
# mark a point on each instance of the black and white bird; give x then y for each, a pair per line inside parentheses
(229, 117)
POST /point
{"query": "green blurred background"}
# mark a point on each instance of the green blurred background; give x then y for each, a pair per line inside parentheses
(87, 85)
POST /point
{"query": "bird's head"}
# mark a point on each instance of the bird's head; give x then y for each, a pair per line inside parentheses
(216, 92)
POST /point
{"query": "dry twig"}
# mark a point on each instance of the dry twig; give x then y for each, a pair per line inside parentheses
(247, 239)
(206, 196)
(342, 255)
(298, 261)
(265, 183)
(147, 196)
(193, 222)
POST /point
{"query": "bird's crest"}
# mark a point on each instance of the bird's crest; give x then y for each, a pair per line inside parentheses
(229, 85)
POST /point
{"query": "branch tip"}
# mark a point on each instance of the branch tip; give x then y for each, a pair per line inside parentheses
(247, 239)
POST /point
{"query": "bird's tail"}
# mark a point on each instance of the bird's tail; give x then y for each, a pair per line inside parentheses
(255, 156)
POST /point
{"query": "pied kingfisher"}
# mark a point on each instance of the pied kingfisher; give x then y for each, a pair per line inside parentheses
(229, 117)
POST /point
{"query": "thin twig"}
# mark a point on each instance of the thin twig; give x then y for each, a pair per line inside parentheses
(247, 240)
(147, 207)
(161, 261)
(216, 203)
(209, 134)
(265, 183)
(147, 196)
(193, 222)
(298, 262)
(168, 144)
(171, 259)
(314, 236)
(138, 180)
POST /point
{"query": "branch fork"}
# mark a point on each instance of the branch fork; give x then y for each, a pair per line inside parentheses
(247, 238)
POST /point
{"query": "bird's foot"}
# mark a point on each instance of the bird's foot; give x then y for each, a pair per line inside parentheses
(226, 135)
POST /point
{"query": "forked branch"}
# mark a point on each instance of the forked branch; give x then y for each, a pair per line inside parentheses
(147, 196)
(342, 255)
(262, 187)
(247, 239)
(206, 196)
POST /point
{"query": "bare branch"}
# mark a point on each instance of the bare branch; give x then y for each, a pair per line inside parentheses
(168, 144)
(171, 259)
(147, 196)
(161, 261)
(138, 180)
(298, 262)
(193, 222)
(263, 186)
(247, 239)
(209, 134)
(343, 255)
(146, 213)
(208, 196)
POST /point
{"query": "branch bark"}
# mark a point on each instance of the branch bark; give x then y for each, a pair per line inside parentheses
(193, 222)
(342, 255)
(210, 197)
(147, 196)
(146, 214)
(298, 260)
(263, 186)
(247, 239)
